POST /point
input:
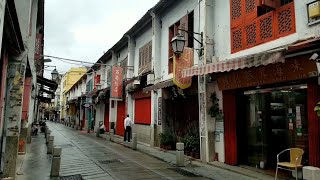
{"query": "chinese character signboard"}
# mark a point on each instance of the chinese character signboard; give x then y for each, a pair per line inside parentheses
(116, 84)
(293, 69)
(185, 60)
(38, 47)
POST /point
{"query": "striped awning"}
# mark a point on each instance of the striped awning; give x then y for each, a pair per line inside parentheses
(235, 64)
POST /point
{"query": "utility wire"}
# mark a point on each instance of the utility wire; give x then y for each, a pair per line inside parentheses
(74, 60)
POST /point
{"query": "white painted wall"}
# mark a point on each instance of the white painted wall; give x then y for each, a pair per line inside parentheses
(170, 17)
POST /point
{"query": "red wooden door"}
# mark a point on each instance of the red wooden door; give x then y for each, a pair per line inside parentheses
(120, 118)
(106, 117)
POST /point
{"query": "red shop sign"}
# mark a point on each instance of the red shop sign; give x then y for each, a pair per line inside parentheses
(116, 85)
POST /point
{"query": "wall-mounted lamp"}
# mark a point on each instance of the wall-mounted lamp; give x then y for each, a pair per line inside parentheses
(178, 42)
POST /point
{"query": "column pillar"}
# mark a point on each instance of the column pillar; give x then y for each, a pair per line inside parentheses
(13, 112)
(207, 146)
(156, 65)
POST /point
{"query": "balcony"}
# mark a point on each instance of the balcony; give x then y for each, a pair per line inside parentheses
(265, 28)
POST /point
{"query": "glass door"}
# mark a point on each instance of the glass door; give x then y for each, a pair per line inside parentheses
(276, 119)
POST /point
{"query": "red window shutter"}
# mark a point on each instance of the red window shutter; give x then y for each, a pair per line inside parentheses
(184, 25)
(142, 111)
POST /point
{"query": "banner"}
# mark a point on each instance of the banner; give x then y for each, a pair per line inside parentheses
(183, 61)
(116, 84)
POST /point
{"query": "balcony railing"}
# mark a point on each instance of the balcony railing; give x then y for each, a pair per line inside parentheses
(265, 28)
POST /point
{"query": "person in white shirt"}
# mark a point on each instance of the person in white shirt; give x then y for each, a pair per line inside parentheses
(127, 128)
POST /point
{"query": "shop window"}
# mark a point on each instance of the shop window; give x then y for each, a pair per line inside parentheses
(186, 23)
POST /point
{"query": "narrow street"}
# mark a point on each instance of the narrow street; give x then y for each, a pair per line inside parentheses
(94, 158)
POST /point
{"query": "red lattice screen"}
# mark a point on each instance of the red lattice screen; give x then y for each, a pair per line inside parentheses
(285, 20)
(266, 27)
(236, 39)
(250, 9)
(236, 12)
(251, 32)
(262, 29)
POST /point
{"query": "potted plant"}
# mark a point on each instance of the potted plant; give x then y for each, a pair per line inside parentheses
(167, 140)
(187, 145)
(317, 109)
(195, 145)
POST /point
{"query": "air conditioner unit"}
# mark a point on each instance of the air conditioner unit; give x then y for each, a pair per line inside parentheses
(150, 79)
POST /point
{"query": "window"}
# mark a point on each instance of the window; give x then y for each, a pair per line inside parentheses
(145, 56)
(185, 23)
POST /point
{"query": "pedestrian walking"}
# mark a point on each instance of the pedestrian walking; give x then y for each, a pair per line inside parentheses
(127, 128)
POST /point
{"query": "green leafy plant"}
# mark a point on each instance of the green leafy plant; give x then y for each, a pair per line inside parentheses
(317, 109)
(191, 142)
(166, 139)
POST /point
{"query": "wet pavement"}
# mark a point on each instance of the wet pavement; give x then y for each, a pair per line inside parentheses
(93, 158)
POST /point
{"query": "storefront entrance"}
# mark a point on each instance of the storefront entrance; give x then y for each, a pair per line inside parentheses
(269, 121)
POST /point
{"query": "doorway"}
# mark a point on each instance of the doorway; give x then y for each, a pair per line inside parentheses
(271, 120)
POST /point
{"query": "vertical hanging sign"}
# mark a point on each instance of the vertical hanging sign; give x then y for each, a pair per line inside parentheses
(38, 47)
(2, 11)
(116, 84)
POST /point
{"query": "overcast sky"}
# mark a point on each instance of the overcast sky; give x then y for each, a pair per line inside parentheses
(84, 29)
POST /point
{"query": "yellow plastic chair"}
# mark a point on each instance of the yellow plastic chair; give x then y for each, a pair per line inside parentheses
(295, 161)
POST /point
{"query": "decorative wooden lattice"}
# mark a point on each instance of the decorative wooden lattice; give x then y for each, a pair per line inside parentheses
(237, 39)
(266, 27)
(236, 9)
(250, 5)
(285, 18)
(251, 34)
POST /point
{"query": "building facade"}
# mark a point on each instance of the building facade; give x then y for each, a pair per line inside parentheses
(243, 86)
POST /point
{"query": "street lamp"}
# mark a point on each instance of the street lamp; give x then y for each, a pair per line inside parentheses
(54, 74)
(178, 43)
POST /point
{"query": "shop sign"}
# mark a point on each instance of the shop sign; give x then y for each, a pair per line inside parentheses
(116, 84)
(38, 47)
(293, 69)
(159, 111)
(183, 61)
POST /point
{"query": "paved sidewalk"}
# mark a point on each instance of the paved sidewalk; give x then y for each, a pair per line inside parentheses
(213, 170)
(36, 163)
